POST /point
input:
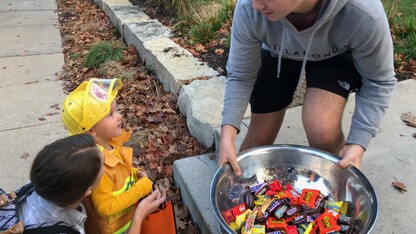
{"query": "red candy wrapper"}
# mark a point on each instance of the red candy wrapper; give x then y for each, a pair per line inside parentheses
(228, 216)
(295, 196)
(308, 197)
(291, 229)
(237, 210)
(327, 223)
(274, 224)
(275, 186)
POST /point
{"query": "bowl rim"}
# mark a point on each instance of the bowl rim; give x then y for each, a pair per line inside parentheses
(306, 149)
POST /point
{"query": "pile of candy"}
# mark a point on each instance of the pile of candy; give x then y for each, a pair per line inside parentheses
(273, 208)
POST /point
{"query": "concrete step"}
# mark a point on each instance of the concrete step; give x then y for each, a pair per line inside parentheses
(390, 155)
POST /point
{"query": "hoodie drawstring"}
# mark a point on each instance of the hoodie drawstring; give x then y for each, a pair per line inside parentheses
(305, 58)
(279, 60)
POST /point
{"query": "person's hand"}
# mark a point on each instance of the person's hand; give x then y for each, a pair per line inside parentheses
(151, 203)
(351, 154)
(141, 173)
(146, 206)
(227, 151)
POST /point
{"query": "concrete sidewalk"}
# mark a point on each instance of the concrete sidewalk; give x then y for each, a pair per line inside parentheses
(30, 95)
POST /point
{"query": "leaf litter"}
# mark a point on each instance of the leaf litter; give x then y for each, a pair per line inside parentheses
(159, 132)
(409, 119)
(399, 185)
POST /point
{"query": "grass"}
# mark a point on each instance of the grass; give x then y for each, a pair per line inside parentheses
(402, 19)
(199, 20)
(103, 52)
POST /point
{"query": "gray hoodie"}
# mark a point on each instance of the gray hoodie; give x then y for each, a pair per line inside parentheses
(358, 26)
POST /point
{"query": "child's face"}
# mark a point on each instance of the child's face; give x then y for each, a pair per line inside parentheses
(276, 9)
(110, 125)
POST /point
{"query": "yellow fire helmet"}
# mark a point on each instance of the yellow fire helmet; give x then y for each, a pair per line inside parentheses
(89, 103)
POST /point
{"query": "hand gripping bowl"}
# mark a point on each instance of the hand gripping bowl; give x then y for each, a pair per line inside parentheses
(303, 167)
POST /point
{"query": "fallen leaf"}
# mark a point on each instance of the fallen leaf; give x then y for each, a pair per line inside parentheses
(32, 82)
(220, 70)
(219, 51)
(409, 119)
(180, 215)
(399, 186)
(55, 106)
(24, 155)
(180, 148)
(200, 48)
(50, 114)
(169, 170)
(164, 129)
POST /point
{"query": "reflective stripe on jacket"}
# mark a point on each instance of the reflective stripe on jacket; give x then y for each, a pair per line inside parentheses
(111, 205)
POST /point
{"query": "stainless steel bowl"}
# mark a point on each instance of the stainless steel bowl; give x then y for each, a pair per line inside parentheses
(303, 167)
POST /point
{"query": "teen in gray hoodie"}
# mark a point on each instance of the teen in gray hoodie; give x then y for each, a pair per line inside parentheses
(339, 45)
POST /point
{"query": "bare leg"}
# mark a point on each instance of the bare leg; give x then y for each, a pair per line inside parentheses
(321, 115)
(263, 129)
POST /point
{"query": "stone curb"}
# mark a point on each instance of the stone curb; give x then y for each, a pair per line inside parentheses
(202, 103)
(174, 66)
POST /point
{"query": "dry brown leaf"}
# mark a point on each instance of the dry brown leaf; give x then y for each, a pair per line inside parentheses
(168, 111)
(25, 155)
(200, 48)
(183, 212)
(180, 148)
(220, 70)
(219, 51)
(55, 106)
(409, 119)
(179, 223)
(50, 113)
(32, 82)
(399, 186)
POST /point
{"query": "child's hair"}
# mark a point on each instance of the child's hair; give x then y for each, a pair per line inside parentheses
(63, 171)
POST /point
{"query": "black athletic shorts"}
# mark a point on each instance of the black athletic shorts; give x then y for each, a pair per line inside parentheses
(270, 94)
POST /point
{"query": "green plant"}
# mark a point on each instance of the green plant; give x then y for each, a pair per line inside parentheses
(402, 19)
(227, 40)
(116, 33)
(101, 53)
(73, 55)
(202, 32)
(201, 20)
(411, 46)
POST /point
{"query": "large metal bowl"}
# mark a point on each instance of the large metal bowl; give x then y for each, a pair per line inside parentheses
(303, 167)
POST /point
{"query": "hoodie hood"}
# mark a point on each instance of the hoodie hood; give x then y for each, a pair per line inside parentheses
(328, 9)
